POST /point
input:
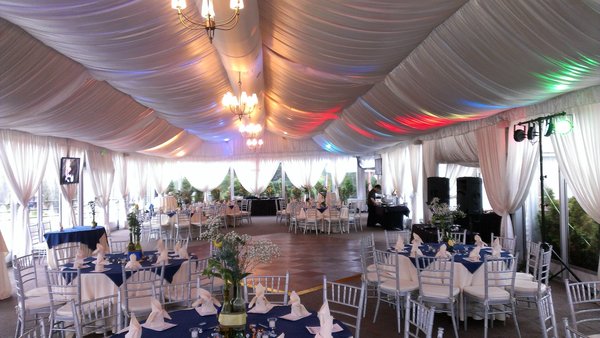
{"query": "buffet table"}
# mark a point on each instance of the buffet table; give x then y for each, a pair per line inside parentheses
(187, 319)
(87, 236)
(391, 217)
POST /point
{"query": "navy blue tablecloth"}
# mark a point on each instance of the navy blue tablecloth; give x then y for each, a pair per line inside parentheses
(461, 253)
(80, 234)
(186, 319)
(115, 269)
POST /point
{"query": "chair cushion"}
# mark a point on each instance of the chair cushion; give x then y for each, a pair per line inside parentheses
(523, 275)
(37, 292)
(405, 285)
(495, 293)
(372, 267)
(65, 311)
(438, 291)
(526, 288)
(36, 303)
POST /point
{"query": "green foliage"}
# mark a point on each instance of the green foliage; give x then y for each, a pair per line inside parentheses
(215, 194)
(296, 193)
(584, 233)
(348, 187)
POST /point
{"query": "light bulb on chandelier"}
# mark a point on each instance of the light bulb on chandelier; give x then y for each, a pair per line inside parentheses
(243, 104)
(208, 13)
(254, 143)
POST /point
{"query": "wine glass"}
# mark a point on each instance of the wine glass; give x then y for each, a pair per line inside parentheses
(272, 322)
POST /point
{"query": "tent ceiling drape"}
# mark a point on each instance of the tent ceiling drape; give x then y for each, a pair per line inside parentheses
(332, 76)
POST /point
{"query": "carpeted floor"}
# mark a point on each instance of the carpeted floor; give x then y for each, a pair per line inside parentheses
(308, 257)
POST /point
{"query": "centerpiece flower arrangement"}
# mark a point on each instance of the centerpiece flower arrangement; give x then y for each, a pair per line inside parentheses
(135, 231)
(443, 217)
(234, 256)
(92, 205)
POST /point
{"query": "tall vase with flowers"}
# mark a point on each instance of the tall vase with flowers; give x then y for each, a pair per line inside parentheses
(135, 231)
(234, 257)
(442, 216)
(92, 205)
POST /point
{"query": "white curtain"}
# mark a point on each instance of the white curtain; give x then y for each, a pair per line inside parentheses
(24, 157)
(394, 163)
(68, 191)
(255, 175)
(415, 155)
(205, 176)
(138, 167)
(102, 171)
(339, 167)
(121, 172)
(161, 177)
(304, 172)
(578, 154)
(453, 171)
(507, 173)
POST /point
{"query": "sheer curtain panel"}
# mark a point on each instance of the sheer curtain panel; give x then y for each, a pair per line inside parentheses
(205, 176)
(24, 157)
(102, 171)
(255, 175)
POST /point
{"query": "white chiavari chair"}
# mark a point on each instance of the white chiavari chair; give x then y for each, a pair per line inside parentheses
(65, 253)
(583, 298)
(138, 289)
(183, 225)
(63, 286)
(38, 244)
(436, 285)
(531, 261)
(418, 319)
(392, 286)
(368, 268)
(391, 237)
(459, 237)
(496, 295)
(32, 300)
(507, 243)
(117, 246)
(346, 303)
(332, 218)
(547, 317)
(96, 315)
(571, 332)
(276, 286)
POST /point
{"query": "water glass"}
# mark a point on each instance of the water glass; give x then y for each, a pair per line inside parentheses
(272, 322)
(195, 332)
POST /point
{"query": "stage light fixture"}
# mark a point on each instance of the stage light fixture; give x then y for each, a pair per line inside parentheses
(518, 134)
(531, 133)
(550, 127)
(564, 123)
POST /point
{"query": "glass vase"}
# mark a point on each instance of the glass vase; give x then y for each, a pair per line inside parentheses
(232, 319)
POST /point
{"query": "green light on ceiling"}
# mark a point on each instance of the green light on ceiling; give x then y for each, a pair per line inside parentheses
(568, 72)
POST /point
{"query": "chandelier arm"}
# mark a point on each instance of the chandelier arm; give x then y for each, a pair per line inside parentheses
(190, 23)
(234, 19)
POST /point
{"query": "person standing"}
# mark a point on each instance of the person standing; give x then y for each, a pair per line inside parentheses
(371, 204)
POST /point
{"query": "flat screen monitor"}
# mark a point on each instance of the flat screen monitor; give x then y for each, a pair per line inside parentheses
(69, 170)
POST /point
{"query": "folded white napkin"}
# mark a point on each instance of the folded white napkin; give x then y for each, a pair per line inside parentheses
(100, 259)
(157, 317)
(205, 304)
(133, 263)
(496, 248)
(417, 239)
(135, 329)
(99, 249)
(281, 335)
(183, 252)
(260, 303)
(78, 262)
(479, 242)
(442, 252)
(298, 309)
(163, 257)
(414, 250)
(399, 244)
(474, 254)
(325, 322)
(160, 246)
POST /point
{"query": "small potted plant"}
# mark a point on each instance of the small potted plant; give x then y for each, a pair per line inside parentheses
(92, 205)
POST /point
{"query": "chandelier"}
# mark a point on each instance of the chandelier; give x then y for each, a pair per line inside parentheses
(208, 13)
(251, 132)
(241, 105)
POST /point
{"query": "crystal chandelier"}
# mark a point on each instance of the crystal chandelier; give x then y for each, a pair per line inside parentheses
(251, 132)
(241, 105)
(208, 13)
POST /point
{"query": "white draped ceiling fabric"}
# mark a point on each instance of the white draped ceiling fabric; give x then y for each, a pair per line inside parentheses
(507, 168)
(332, 76)
(24, 159)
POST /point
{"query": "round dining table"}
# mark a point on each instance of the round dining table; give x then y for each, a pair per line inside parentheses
(185, 320)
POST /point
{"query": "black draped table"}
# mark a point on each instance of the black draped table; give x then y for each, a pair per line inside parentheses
(391, 217)
(187, 319)
(263, 207)
(87, 236)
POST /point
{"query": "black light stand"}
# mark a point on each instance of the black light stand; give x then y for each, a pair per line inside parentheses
(530, 135)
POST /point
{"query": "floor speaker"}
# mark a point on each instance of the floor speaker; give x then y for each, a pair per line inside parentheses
(468, 195)
(438, 187)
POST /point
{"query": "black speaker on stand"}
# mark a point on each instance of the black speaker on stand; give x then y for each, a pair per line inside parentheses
(438, 187)
(468, 195)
